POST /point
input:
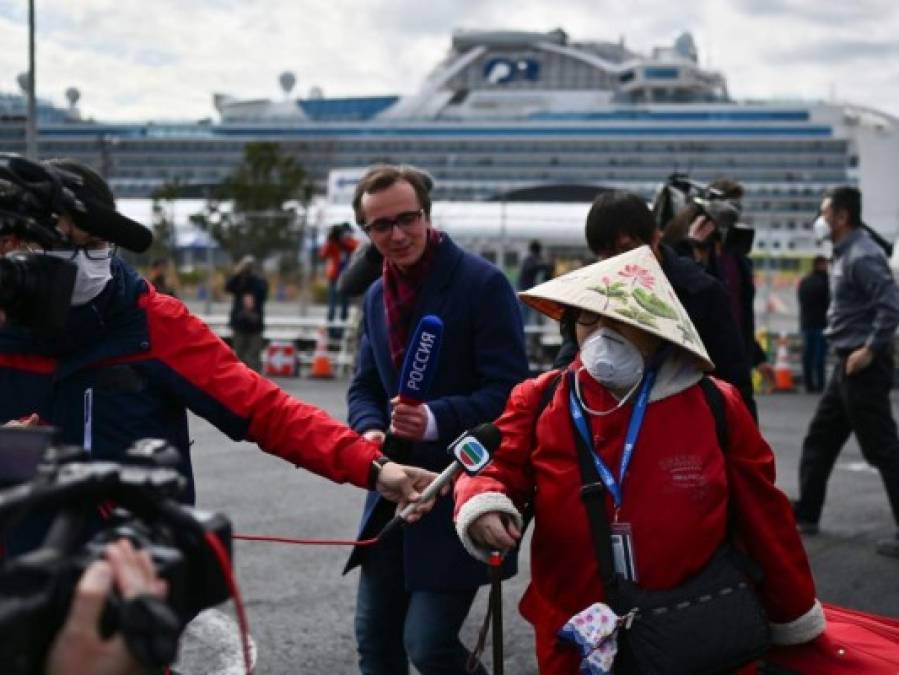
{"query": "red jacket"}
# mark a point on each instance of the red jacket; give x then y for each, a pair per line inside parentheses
(676, 497)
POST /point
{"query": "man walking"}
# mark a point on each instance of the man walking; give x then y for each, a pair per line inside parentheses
(814, 298)
(247, 312)
(861, 322)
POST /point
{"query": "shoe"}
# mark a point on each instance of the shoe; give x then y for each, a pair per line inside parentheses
(808, 527)
(889, 547)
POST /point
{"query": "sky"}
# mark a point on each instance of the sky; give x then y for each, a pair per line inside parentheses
(162, 60)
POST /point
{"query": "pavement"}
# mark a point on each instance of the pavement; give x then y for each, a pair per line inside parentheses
(301, 609)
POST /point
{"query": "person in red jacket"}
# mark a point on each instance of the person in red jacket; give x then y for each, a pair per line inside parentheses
(131, 362)
(681, 493)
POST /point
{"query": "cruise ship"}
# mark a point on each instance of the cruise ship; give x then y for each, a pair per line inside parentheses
(511, 116)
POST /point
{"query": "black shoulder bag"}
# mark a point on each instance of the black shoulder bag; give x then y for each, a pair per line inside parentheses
(712, 623)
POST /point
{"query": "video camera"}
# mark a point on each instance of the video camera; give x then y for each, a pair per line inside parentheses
(138, 497)
(35, 290)
(679, 192)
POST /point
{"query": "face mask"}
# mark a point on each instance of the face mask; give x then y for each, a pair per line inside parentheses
(613, 361)
(91, 277)
(820, 228)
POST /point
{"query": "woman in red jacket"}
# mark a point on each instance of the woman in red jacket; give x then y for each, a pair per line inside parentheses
(681, 493)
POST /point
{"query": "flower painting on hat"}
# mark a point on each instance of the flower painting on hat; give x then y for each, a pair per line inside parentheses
(630, 287)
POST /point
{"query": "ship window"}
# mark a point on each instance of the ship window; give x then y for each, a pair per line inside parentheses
(626, 76)
(656, 73)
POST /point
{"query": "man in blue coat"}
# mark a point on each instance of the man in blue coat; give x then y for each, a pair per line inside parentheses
(415, 589)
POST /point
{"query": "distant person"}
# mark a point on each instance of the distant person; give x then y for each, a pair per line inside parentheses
(336, 252)
(861, 323)
(534, 268)
(620, 221)
(814, 298)
(247, 321)
(416, 588)
(158, 276)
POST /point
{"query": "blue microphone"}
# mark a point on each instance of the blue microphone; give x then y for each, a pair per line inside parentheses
(420, 361)
(416, 375)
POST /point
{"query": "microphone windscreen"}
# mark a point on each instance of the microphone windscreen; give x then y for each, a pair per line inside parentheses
(475, 448)
(106, 223)
(420, 362)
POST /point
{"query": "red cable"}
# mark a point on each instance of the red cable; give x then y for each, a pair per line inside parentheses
(309, 542)
(228, 572)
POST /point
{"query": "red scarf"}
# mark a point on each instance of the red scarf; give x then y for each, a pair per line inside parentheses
(401, 289)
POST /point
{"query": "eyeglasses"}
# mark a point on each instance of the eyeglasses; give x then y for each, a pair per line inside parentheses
(96, 251)
(407, 220)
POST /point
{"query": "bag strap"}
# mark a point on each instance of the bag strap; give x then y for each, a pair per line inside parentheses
(715, 400)
(546, 396)
(593, 494)
(593, 491)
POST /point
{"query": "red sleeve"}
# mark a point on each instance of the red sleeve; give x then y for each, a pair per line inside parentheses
(762, 518)
(510, 472)
(296, 431)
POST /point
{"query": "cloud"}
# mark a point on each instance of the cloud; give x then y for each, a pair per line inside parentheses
(137, 61)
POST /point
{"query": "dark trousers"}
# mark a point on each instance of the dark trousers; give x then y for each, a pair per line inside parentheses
(395, 626)
(814, 351)
(857, 403)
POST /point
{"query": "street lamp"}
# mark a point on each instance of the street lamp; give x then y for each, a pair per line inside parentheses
(31, 122)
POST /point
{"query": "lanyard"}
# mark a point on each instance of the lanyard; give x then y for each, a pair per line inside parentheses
(630, 440)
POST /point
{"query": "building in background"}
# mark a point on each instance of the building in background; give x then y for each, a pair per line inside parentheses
(516, 116)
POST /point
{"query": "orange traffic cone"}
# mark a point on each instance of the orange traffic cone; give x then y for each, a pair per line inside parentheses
(321, 362)
(783, 373)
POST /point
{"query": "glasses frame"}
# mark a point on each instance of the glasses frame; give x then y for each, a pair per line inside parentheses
(384, 226)
(91, 254)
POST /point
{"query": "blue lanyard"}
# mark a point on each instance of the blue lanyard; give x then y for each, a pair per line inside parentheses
(630, 440)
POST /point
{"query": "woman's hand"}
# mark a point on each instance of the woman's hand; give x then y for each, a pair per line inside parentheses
(496, 531)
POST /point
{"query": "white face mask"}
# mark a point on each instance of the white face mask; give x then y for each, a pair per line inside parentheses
(613, 361)
(821, 229)
(91, 277)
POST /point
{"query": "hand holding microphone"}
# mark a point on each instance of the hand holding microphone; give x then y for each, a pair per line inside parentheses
(409, 419)
(471, 452)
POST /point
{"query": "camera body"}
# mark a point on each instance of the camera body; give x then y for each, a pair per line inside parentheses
(138, 499)
(680, 192)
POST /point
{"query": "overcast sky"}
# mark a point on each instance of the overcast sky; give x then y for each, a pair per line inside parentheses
(163, 59)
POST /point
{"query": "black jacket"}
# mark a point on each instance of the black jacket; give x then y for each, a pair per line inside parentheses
(814, 298)
(708, 306)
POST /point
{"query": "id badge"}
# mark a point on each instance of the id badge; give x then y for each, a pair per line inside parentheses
(623, 559)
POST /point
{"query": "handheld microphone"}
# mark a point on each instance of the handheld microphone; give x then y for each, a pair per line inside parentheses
(416, 375)
(472, 451)
(420, 362)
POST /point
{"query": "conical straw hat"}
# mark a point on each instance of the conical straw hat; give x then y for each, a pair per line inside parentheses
(630, 288)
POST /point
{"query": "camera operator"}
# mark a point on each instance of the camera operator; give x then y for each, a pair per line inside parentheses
(78, 648)
(695, 234)
(131, 361)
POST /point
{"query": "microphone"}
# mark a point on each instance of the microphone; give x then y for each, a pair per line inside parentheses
(420, 361)
(416, 375)
(472, 451)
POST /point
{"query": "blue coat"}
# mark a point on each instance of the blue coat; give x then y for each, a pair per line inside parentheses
(482, 357)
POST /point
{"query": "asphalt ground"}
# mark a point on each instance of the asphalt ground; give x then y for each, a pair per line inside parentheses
(301, 609)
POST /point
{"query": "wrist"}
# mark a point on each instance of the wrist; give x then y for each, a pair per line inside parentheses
(374, 470)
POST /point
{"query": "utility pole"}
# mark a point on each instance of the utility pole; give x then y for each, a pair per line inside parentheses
(31, 122)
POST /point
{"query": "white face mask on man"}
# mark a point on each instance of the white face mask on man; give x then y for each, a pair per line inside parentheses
(93, 273)
(821, 229)
(613, 361)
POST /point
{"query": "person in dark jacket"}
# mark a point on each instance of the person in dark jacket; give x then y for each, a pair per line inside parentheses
(814, 298)
(247, 319)
(132, 361)
(416, 588)
(694, 235)
(620, 221)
